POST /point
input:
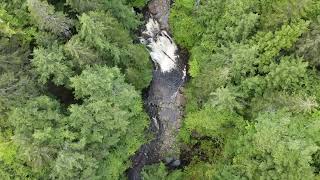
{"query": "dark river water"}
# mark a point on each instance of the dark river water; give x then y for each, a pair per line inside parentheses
(164, 100)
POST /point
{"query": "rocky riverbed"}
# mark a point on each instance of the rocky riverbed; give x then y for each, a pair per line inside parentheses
(165, 101)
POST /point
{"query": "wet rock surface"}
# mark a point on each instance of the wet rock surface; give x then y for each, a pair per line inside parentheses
(165, 101)
(160, 9)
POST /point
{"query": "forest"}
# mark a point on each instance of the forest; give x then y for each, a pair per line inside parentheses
(74, 76)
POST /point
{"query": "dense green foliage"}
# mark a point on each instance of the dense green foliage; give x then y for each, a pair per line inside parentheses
(252, 103)
(72, 75)
(85, 48)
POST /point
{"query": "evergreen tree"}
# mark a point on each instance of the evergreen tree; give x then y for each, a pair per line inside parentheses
(308, 45)
(118, 8)
(52, 63)
(106, 129)
(93, 140)
(245, 62)
(103, 40)
(47, 19)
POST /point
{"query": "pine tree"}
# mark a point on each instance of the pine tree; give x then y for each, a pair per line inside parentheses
(108, 125)
(309, 44)
(118, 8)
(52, 63)
(37, 134)
(46, 18)
(103, 35)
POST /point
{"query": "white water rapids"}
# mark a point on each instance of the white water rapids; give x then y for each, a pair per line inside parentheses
(164, 101)
(161, 47)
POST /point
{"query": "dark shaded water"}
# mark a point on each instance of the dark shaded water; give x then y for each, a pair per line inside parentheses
(164, 102)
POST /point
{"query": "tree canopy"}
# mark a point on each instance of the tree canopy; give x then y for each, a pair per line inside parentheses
(73, 76)
(252, 101)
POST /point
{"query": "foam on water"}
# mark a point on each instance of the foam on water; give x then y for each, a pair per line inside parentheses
(161, 46)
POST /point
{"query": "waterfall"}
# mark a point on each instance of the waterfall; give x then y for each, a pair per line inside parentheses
(164, 100)
(161, 47)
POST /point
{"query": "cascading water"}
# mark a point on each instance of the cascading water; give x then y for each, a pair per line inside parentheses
(164, 102)
(162, 48)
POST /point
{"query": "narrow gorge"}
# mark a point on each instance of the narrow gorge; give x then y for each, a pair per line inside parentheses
(164, 100)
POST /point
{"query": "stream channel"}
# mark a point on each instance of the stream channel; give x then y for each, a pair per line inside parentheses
(164, 101)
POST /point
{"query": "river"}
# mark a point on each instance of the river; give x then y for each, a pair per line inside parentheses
(164, 101)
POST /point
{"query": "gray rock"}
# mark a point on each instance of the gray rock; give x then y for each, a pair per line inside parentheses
(160, 10)
(176, 163)
(168, 160)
